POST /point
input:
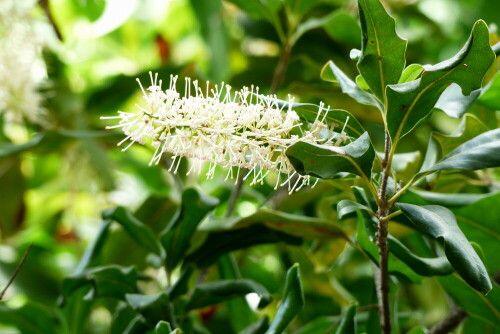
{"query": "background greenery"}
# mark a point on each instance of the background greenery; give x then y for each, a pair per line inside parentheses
(57, 178)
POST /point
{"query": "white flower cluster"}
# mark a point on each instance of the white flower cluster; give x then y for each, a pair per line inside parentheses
(241, 129)
(21, 64)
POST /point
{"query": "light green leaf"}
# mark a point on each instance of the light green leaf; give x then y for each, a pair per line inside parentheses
(382, 50)
(411, 72)
(440, 223)
(453, 103)
(291, 303)
(345, 207)
(410, 103)
(343, 26)
(163, 327)
(326, 162)
(332, 73)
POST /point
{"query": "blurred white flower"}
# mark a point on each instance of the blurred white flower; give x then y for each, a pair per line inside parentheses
(232, 129)
(21, 65)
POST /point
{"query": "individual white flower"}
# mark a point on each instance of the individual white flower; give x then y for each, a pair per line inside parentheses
(21, 64)
(232, 129)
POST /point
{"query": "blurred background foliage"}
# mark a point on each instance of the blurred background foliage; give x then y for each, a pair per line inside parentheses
(56, 176)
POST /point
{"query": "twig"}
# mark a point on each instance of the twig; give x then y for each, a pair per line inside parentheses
(16, 272)
(45, 6)
(452, 320)
(235, 194)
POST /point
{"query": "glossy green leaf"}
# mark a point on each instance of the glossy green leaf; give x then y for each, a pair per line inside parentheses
(411, 72)
(480, 152)
(332, 73)
(382, 50)
(291, 303)
(326, 162)
(421, 265)
(105, 282)
(220, 291)
(470, 126)
(345, 207)
(137, 230)
(153, 308)
(348, 323)
(440, 223)
(176, 238)
(453, 103)
(219, 243)
(31, 318)
(486, 308)
(410, 103)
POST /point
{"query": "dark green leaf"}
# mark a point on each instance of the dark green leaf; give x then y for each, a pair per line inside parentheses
(153, 308)
(309, 24)
(291, 304)
(94, 249)
(259, 9)
(345, 207)
(410, 103)
(326, 162)
(126, 320)
(348, 323)
(332, 73)
(480, 152)
(110, 281)
(477, 305)
(217, 292)
(342, 26)
(181, 286)
(448, 200)
(421, 265)
(139, 231)
(12, 202)
(218, 243)
(176, 238)
(163, 327)
(30, 318)
(382, 50)
(440, 223)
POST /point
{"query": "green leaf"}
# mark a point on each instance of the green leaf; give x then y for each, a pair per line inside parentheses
(163, 327)
(440, 223)
(12, 198)
(127, 320)
(153, 308)
(480, 152)
(94, 249)
(291, 303)
(106, 282)
(448, 200)
(181, 286)
(491, 95)
(410, 103)
(469, 127)
(453, 103)
(176, 238)
(219, 243)
(332, 73)
(348, 323)
(31, 318)
(480, 222)
(382, 50)
(309, 24)
(326, 162)
(483, 307)
(342, 26)
(421, 265)
(137, 230)
(220, 291)
(345, 207)
(411, 72)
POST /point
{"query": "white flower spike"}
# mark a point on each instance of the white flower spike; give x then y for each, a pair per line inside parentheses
(232, 129)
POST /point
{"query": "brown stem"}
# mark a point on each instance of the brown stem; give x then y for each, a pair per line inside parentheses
(16, 272)
(382, 280)
(279, 73)
(234, 195)
(45, 6)
(452, 320)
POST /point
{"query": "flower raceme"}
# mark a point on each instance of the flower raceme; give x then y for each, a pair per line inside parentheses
(240, 129)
